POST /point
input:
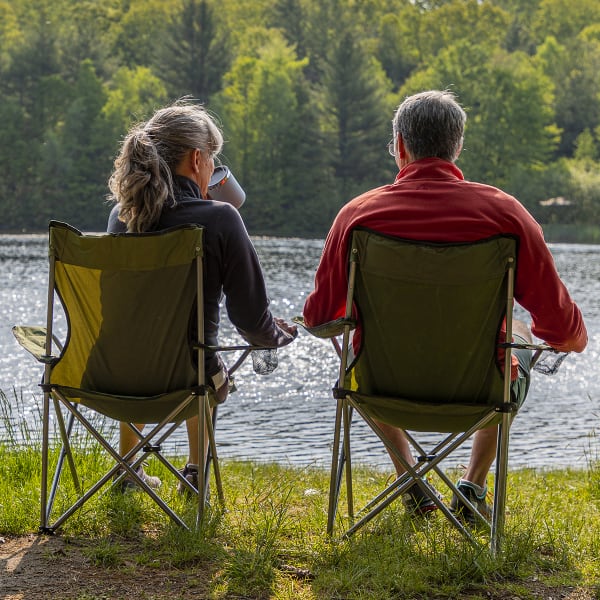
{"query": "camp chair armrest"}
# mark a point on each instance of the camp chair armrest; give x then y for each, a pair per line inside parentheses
(33, 339)
(539, 363)
(327, 330)
(199, 345)
(541, 347)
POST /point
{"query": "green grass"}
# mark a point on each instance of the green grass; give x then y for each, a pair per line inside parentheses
(270, 541)
(274, 528)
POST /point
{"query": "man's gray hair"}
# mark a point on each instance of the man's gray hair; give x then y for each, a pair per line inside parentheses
(431, 124)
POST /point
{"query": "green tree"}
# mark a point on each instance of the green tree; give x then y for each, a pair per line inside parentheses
(274, 152)
(15, 156)
(510, 133)
(33, 82)
(473, 21)
(134, 94)
(289, 17)
(586, 147)
(575, 72)
(195, 53)
(77, 157)
(359, 112)
(34, 76)
(564, 19)
(10, 34)
(84, 34)
(138, 33)
(396, 48)
(519, 33)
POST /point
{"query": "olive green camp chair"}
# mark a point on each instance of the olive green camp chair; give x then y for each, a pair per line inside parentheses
(430, 316)
(130, 301)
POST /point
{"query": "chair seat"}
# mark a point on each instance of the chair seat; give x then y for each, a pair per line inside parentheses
(419, 415)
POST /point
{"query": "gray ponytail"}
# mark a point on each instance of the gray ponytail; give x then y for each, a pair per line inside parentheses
(142, 179)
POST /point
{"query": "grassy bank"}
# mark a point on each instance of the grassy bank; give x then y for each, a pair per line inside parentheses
(270, 541)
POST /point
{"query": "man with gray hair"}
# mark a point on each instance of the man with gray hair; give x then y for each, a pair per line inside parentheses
(431, 201)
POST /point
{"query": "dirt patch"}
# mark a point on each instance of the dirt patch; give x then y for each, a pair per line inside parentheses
(36, 567)
(50, 568)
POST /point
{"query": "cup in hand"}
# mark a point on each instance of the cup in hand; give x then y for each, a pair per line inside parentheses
(224, 187)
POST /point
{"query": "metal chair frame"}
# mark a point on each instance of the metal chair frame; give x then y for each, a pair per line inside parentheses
(42, 343)
(427, 461)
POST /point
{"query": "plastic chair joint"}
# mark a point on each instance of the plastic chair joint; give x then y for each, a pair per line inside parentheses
(339, 393)
(48, 359)
(507, 407)
(46, 530)
(151, 448)
(426, 458)
(200, 390)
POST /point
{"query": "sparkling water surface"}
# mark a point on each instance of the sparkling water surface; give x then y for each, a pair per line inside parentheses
(287, 416)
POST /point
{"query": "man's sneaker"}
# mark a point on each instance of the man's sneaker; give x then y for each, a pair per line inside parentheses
(478, 499)
(127, 483)
(417, 502)
(190, 472)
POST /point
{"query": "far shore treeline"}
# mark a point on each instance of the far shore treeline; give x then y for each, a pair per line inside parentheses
(305, 91)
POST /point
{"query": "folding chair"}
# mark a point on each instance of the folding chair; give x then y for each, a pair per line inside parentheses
(430, 315)
(130, 302)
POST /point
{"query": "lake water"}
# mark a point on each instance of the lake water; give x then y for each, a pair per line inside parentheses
(288, 416)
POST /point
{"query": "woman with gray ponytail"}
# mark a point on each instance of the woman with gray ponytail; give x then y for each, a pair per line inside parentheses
(160, 179)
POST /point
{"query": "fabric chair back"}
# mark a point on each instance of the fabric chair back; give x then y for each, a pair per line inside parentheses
(128, 300)
(430, 316)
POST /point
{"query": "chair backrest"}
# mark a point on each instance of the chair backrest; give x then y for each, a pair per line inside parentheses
(430, 315)
(128, 300)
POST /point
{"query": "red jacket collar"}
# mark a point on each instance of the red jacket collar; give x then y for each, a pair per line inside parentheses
(430, 168)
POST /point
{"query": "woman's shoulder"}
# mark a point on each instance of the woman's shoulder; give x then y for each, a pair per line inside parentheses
(206, 213)
(114, 224)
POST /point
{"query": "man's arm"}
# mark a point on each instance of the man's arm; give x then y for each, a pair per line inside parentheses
(327, 301)
(556, 319)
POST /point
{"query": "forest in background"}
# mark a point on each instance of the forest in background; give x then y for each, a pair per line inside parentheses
(305, 91)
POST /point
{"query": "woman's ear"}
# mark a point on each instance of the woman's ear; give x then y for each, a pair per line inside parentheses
(196, 160)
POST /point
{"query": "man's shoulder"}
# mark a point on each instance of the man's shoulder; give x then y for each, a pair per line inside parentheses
(485, 189)
(363, 200)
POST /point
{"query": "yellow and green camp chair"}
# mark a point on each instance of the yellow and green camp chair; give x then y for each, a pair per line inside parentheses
(430, 315)
(130, 302)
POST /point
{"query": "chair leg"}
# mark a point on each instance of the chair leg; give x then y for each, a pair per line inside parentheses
(347, 416)
(65, 434)
(335, 465)
(498, 516)
(44, 475)
(203, 408)
(212, 458)
(65, 453)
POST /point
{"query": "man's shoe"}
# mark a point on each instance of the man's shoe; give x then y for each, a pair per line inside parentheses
(127, 483)
(464, 512)
(417, 502)
(190, 473)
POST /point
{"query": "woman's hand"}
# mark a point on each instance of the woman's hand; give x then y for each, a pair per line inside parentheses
(284, 326)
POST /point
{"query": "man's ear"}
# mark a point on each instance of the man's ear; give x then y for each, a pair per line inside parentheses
(401, 147)
(460, 147)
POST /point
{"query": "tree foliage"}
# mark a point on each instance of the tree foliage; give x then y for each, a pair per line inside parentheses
(305, 91)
